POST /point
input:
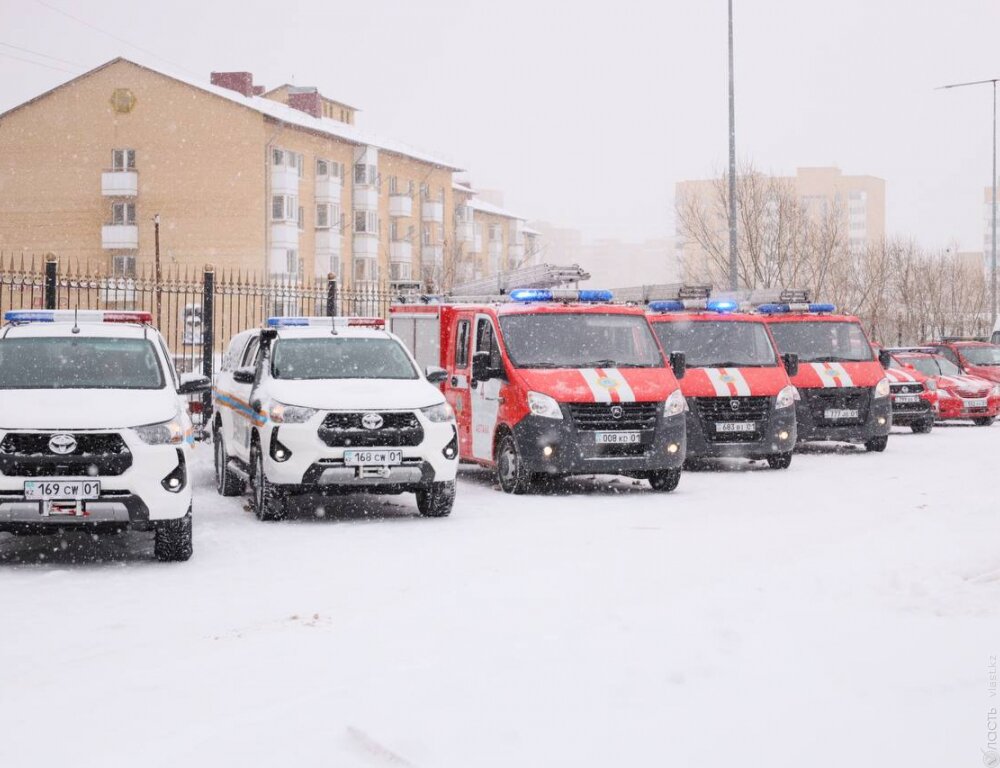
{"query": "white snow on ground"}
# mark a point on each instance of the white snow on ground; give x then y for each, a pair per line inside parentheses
(841, 613)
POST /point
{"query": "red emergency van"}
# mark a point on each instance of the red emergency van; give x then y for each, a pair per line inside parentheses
(554, 383)
(740, 399)
(843, 388)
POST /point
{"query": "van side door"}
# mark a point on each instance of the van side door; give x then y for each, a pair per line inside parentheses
(485, 395)
(457, 389)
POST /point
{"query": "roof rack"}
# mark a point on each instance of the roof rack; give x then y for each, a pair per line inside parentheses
(963, 338)
(539, 276)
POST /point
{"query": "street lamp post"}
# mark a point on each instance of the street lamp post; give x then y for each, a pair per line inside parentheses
(733, 276)
(993, 215)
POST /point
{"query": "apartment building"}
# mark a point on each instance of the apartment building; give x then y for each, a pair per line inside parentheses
(279, 181)
(488, 238)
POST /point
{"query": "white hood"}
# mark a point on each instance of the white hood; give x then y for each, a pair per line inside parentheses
(354, 394)
(85, 408)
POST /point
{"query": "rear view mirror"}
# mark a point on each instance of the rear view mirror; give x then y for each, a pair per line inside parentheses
(791, 362)
(885, 357)
(244, 375)
(481, 367)
(435, 375)
(678, 364)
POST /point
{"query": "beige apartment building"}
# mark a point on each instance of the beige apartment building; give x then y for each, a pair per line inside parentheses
(859, 200)
(488, 238)
(276, 181)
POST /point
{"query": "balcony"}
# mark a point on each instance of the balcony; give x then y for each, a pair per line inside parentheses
(328, 242)
(432, 255)
(120, 236)
(119, 183)
(365, 245)
(400, 250)
(328, 189)
(365, 197)
(284, 234)
(284, 180)
(432, 210)
(465, 232)
(400, 206)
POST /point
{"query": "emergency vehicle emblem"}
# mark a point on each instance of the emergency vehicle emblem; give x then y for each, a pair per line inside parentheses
(734, 404)
(62, 444)
(371, 421)
(617, 411)
(607, 382)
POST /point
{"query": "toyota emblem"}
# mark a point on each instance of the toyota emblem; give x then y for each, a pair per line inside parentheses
(62, 444)
(371, 421)
(734, 404)
(617, 411)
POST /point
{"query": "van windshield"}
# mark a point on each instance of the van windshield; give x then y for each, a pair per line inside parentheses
(981, 355)
(719, 343)
(49, 362)
(580, 340)
(829, 341)
(341, 358)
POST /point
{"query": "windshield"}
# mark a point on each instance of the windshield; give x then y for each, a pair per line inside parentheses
(79, 363)
(718, 344)
(580, 340)
(823, 342)
(926, 365)
(341, 358)
(981, 355)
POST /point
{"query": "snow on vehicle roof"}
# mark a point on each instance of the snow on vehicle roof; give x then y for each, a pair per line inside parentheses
(61, 328)
(316, 332)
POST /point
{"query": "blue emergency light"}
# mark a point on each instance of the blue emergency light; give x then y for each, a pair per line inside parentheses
(679, 305)
(722, 305)
(325, 322)
(546, 294)
(781, 309)
(20, 316)
(667, 305)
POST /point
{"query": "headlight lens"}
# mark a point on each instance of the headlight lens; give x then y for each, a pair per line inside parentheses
(786, 397)
(882, 388)
(169, 432)
(289, 414)
(675, 403)
(438, 413)
(544, 406)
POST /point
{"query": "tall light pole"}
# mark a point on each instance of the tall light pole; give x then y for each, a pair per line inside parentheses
(993, 215)
(734, 281)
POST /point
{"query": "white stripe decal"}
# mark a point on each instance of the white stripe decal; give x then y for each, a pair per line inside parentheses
(832, 375)
(608, 385)
(845, 377)
(728, 382)
(721, 390)
(601, 394)
(625, 393)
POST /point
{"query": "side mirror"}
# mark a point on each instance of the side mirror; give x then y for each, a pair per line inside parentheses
(678, 364)
(435, 375)
(481, 366)
(791, 362)
(244, 375)
(193, 383)
(885, 357)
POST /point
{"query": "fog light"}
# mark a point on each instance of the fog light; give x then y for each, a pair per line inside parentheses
(547, 451)
(280, 455)
(174, 482)
(279, 451)
(450, 451)
(782, 435)
(673, 448)
(881, 421)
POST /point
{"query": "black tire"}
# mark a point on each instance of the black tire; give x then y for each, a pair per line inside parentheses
(437, 500)
(780, 460)
(174, 542)
(986, 421)
(665, 480)
(922, 427)
(264, 497)
(877, 444)
(227, 482)
(512, 474)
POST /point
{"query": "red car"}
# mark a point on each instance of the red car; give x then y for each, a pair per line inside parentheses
(914, 397)
(959, 396)
(975, 358)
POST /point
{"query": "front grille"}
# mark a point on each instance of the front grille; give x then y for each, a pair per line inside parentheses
(27, 454)
(820, 401)
(906, 389)
(918, 407)
(593, 417)
(728, 410)
(345, 430)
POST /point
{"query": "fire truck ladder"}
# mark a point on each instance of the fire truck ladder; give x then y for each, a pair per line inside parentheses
(538, 276)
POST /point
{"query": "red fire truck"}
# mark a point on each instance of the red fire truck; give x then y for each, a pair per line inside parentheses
(553, 382)
(843, 389)
(740, 399)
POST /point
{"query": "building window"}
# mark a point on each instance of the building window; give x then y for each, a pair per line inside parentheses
(123, 265)
(365, 173)
(365, 270)
(322, 168)
(495, 232)
(123, 160)
(292, 261)
(425, 235)
(329, 168)
(278, 156)
(399, 270)
(302, 217)
(277, 207)
(425, 192)
(123, 214)
(366, 222)
(393, 230)
(284, 208)
(327, 215)
(393, 183)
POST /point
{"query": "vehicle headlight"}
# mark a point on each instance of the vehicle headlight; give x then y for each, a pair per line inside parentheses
(438, 413)
(170, 432)
(786, 397)
(882, 388)
(675, 404)
(544, 406)
(289, 414)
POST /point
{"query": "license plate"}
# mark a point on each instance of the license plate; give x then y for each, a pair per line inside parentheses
(736, 426)
(840, 413)
(617, 438)
(907, 398)
(976, 402)
(45, 490)
(376, 457)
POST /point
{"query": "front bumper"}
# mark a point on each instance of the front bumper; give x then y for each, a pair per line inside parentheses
(874, 420)
(908, 414)
(136, 498)
(767, 441)
(957, 408)
(575, 451)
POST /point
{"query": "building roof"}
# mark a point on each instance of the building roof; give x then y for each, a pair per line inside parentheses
(275, 110)
(459, 186)
(484, 207)
(269, 91)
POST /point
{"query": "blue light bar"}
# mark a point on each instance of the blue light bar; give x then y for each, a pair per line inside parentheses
(287, 322)
(722, 305)
(19, 316)
(530, 294)
(29, 316)
(773, 309)
(822, 308)
(594, 295)
(326, 322)
(669, 305)
(779, 309)
(560, 294)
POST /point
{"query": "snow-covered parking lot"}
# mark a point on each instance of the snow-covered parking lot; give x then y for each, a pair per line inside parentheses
(841, 613)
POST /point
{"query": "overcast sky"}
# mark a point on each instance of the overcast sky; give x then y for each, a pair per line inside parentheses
(587, 113)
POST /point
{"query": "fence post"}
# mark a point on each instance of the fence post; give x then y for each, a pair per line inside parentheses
(51, 265)
(207, 337)
(331, 295)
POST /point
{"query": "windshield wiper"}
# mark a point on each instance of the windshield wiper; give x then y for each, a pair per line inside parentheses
(599, 364)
